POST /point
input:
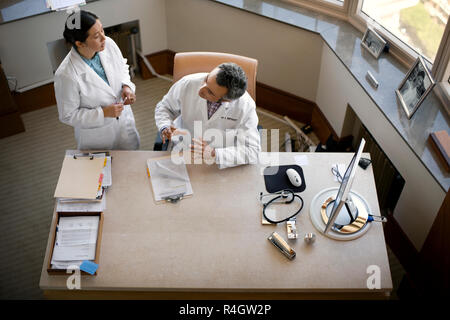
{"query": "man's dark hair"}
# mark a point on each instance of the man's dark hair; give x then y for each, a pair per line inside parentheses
(232, 77)
(79, 33)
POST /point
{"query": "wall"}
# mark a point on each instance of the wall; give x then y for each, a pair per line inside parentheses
(422, 196)
(288, 57)
(23, 45)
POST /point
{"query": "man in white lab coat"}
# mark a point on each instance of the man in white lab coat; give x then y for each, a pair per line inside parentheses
(216, 110)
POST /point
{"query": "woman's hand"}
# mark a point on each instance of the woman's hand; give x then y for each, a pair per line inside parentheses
(113, 110)
(127, 95)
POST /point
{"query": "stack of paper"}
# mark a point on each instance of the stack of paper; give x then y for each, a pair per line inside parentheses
(76, 240)
(168, 178)
(82, 182)
(63, 4)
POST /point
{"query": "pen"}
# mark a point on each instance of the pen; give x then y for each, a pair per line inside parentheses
(123, 102)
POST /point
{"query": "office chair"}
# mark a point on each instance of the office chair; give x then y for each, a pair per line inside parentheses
(194, 62)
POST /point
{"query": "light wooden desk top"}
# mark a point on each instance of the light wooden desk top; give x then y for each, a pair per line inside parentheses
(215, 241)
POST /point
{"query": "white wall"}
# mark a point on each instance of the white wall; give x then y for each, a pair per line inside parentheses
(23, 43)
(422, 196)
(288, 57)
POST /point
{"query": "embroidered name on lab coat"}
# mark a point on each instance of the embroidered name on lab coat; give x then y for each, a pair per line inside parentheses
(228, 118)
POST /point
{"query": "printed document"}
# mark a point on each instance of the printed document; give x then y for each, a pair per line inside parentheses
(168, 178)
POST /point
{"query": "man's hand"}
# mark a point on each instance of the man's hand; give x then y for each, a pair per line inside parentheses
(167, 133)
(127, 95)
(113, 110)
(202, 149)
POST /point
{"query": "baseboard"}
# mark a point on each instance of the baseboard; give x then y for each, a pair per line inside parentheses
(44, 96)
(161, 61)
(267, 97)
(321, 127)
(284, 103)
(36, 98)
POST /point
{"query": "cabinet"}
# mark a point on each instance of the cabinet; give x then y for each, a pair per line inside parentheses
(10, 121)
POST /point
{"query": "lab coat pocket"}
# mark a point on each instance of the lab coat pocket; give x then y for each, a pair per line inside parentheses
(98, 138)
(130, 139)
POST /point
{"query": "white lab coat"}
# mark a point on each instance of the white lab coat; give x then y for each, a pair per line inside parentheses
(81, 93)
(236, 135)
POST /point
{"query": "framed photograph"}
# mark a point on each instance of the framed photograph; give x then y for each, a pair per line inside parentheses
(415, 87)
(373, 42)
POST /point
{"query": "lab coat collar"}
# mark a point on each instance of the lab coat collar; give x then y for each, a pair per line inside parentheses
(88, 75)
(223, 109)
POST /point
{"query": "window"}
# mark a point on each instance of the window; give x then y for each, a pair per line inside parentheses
(412, 27)
(336, 2)
(337, 8)
(418, 23)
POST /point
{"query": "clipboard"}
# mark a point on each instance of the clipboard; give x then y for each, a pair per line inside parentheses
(80, 177)
(169, 181)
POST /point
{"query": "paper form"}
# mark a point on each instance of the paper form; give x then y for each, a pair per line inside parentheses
(168, 178)
(69, 253)
(76, 239)
(62, 4)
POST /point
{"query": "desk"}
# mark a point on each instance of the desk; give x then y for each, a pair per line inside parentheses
(213, 245)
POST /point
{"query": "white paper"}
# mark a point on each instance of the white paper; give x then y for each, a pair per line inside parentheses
(78, 222)
(65, 264)
(66, 206)
(69, 253)
(107, 176)
(168, 178)
(76, 238)
(62, 4)
(301, 160)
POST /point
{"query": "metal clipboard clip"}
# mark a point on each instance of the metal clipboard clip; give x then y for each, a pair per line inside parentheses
(90, 154)
(83, 155)
(174, 198)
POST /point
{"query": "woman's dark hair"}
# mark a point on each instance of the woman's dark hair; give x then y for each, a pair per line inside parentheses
(77, 26)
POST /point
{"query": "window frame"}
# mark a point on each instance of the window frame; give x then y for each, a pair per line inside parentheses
(351, 11)
(324, 6)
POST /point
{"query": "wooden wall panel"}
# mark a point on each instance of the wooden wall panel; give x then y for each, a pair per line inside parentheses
(284, 103)
(36, 98)
(10, 121)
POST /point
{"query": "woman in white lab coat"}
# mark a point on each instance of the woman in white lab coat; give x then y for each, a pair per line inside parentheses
(93, 88)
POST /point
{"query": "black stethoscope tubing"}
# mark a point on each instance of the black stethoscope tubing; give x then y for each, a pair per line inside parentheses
(282, 195)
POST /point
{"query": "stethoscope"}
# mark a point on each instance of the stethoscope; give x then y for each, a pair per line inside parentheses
(287, 195)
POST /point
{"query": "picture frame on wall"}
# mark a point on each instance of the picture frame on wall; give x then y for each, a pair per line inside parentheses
(373, 42)
(414, 88)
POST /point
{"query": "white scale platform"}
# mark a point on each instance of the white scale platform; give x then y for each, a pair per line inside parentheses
(319, 223)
